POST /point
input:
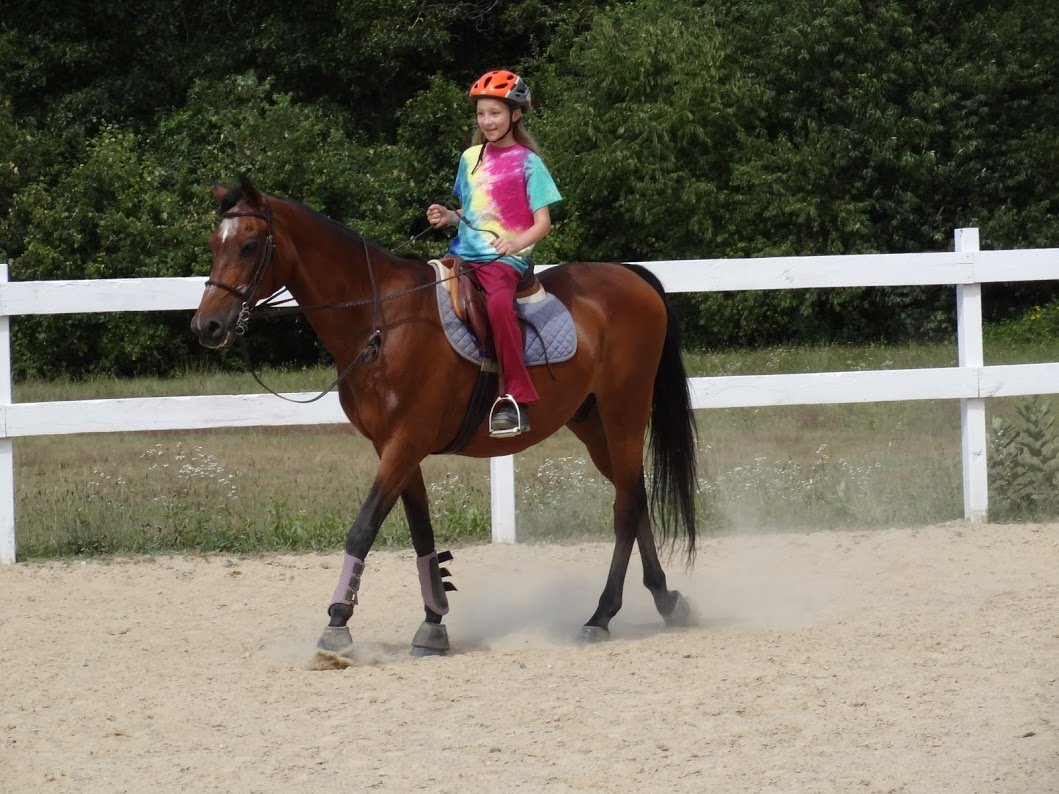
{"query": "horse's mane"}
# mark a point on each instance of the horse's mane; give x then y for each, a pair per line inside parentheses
(236, 194)
(348, 232)
(336, 225)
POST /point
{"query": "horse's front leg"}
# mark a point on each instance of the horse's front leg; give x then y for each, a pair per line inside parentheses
(390, 480)
(432, 637)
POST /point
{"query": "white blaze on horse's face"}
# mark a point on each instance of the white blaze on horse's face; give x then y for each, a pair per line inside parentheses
(229, 226)
(225, 245)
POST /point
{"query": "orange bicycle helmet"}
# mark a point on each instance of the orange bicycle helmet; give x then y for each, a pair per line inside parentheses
(502, 84)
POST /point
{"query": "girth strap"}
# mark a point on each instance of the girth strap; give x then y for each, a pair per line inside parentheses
(485, 388)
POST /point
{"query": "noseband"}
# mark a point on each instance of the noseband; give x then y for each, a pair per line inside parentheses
(264, 260)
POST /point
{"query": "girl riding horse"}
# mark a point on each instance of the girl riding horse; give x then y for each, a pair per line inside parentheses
(504, 190)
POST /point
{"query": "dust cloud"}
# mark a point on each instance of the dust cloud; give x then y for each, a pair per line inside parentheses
(749, 584)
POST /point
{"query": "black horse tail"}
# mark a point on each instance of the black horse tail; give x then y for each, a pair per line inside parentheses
(673, 432)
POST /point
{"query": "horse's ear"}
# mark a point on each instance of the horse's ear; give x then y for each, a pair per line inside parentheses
(250, 194)
(220, 190)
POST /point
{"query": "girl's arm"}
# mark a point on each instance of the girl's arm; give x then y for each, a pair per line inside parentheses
(542, 224)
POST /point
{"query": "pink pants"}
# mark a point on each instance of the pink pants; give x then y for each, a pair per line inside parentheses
(499, 280)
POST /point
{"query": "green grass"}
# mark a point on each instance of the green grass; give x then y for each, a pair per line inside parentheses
(248, 490)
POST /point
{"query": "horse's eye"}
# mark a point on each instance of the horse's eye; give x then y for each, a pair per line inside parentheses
(248, 248)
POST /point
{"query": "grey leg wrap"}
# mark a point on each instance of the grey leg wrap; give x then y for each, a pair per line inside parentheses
(348, 581)
(432, 581)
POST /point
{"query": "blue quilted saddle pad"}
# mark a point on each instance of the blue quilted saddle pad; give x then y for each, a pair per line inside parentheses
(557, 340)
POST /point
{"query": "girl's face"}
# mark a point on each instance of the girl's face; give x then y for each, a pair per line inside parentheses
(495, 119)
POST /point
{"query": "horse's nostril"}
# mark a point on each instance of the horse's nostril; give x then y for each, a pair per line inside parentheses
(209, 332)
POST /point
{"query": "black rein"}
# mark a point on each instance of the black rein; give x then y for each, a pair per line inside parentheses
(272, 306)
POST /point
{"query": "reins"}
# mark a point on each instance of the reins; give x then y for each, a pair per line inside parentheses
(273, 305)
(276, 308)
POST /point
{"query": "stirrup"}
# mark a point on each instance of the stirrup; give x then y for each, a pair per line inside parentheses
(509, 432)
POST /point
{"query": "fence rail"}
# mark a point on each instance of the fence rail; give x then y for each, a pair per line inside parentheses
(971, 382)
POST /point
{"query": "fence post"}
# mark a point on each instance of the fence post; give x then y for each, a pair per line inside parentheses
(972, 411)
(502, 498)
(7, 453)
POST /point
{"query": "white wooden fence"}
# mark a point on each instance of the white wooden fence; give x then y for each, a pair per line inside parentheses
(971, 382)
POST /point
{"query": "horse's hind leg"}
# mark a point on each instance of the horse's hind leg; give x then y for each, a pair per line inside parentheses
(630, 509)
(432, 637)
(628, 506)
(631, 522)
(671, 605)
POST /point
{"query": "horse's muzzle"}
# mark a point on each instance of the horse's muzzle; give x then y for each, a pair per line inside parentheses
(211, 331)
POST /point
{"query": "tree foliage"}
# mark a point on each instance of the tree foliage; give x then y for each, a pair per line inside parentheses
(643, 113)
(674, 129)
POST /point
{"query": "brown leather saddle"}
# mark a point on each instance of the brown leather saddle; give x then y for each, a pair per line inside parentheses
(468, 299)
(468, 302)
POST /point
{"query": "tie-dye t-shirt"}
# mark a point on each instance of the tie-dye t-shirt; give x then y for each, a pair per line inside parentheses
(501, 196)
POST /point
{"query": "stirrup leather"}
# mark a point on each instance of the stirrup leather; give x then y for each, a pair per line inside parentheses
(508, 432)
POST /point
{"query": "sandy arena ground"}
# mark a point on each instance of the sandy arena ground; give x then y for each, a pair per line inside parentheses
(909, 660)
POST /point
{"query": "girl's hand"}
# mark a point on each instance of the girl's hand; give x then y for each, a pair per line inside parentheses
(542, 224)
(504, 246)
(439, 217)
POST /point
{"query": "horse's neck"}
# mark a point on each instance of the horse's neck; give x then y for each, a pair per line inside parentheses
(324, 269)
(334, 265)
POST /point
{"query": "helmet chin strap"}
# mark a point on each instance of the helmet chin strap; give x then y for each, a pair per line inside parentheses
(511, 122)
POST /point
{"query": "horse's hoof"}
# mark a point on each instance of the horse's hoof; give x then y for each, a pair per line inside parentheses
(336, 640)
(432, 639)
(334, 650)
(421, 652)
(594, 634)
(680, 614)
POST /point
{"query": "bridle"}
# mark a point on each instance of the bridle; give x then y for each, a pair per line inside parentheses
(369, 353)
(263, 261)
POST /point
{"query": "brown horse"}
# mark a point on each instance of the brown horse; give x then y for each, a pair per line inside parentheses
(406, 389)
